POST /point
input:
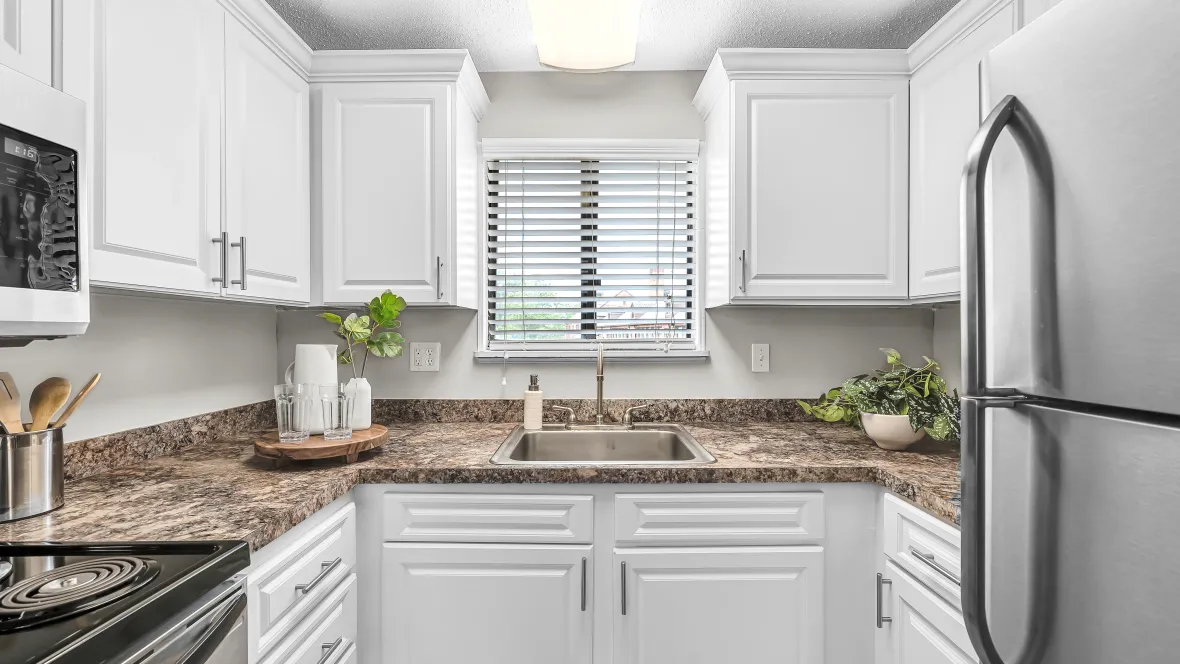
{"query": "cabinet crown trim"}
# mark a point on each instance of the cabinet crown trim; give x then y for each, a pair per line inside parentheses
(264, 22)
(734, 64)
(421, 65)
(959, 22)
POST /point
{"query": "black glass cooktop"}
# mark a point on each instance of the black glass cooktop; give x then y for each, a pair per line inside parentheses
(89, 602)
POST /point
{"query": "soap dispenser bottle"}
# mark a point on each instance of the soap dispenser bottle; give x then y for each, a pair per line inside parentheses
(533, 405)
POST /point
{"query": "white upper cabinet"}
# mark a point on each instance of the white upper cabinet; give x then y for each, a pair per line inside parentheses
(398, 180)
(945, 113)
(26, 37)
(733, 605)
(267, 206)
(805, 176)
(157, 125)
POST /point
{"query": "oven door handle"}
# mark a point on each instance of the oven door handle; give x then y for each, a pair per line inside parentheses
(215, 633)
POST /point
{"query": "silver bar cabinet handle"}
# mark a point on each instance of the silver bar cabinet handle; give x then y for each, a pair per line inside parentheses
(222, 242)
(241, 244)
(933, 563)
(623, 568)
(438, 275)
(328, 649)
(325, 570)
(583, 584)
(881, 617)
(742, 276)
(979, 397)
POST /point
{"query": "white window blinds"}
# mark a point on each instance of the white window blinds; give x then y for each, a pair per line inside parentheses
(582, 252)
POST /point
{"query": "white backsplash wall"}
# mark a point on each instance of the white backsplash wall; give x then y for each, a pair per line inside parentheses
(810, 351)
(161, 359)
(948, 348)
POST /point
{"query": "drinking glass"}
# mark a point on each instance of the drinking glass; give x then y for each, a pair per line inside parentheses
(338, 401)
(294, 406)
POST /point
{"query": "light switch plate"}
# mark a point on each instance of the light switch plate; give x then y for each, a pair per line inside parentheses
(760, 358)
(425, 355)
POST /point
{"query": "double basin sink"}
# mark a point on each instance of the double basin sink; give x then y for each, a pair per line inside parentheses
(640, 444)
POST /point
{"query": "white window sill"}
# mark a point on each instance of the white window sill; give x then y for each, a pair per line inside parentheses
(587, 356)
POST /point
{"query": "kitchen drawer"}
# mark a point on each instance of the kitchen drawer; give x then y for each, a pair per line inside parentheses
(719, 518)
(332, 623)
(287, 586)
(501, 518)
(923, 546)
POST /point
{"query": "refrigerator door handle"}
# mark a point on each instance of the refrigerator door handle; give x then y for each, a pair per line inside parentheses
(973, 521)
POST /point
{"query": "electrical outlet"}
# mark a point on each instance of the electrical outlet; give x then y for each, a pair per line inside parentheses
(760, 358)
(425, 356)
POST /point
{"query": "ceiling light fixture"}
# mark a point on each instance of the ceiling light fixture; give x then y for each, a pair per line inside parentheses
(585, 35)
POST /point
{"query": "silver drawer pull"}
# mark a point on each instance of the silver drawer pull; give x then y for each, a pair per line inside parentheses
(881, 617)
(329, 649)
(325, 570)
(931, 562)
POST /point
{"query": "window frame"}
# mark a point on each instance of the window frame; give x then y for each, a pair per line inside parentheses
(599, 149)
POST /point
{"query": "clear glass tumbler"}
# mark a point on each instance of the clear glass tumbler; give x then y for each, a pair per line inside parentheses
(338, 401)
(294, 406)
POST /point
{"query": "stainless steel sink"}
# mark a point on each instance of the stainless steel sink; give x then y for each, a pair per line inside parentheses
(645, 444)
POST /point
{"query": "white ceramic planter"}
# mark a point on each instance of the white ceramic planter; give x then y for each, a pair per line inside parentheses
(891, 432)
(362, 404)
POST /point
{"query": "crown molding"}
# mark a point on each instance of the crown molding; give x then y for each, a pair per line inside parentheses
(590, 148)
(261, 19)
(956, 24)
(752, 64)
(423, 65)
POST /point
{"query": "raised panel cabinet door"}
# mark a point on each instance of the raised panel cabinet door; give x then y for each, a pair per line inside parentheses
(944, 115)
(924, 628)
(266, 172)
(487, 603)
(821, 198)
(385, 160)
(722, 605)
(26, 37)
(157, 119)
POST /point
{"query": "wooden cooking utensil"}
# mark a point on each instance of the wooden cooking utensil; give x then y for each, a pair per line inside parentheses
(77, 401)
(10, 404)
(47, 399)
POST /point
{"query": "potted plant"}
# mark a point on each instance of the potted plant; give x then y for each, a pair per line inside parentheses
(896, 407)
(374, 334)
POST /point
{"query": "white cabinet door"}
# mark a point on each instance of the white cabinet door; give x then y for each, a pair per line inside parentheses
(821, 170)
(732, 605)
(489, 603)
(26, 37)
(384, 190)
(945, 113)
(924, 628)
(157, 184)
(267, 207)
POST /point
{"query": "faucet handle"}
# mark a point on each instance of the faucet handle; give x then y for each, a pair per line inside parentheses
(627, 413)
(571, 418)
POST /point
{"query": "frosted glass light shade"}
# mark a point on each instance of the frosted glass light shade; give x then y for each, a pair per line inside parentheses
(585, 35)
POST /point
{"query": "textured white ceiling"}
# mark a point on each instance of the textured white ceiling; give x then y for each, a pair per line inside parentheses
(673, 34)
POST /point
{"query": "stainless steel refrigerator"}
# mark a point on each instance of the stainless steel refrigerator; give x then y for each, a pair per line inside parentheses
(1071, 349)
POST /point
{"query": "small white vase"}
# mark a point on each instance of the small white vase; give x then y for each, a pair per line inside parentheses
(362, 404)
(891, 432)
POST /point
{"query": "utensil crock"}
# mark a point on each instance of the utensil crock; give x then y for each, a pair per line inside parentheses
(31, 476)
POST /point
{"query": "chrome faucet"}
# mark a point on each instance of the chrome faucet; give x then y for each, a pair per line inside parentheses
(598, 419)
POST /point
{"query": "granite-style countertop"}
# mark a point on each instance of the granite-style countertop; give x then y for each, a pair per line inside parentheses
(219, 490)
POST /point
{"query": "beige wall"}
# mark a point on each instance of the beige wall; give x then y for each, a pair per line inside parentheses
(947, 345)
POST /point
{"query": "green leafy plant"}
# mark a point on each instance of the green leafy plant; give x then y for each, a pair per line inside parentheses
(918, 392)
(373, 332)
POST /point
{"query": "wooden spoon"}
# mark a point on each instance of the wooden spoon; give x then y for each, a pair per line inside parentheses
(77, 401)
(47, 399)
(10, 405)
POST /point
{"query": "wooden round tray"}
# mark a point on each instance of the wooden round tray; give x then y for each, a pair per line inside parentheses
(316, 447)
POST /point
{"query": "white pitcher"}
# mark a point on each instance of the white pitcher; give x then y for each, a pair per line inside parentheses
(315, 364)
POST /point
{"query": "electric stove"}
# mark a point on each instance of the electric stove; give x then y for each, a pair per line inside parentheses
(100, 603)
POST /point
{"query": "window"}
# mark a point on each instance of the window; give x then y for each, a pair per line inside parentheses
(589, 250)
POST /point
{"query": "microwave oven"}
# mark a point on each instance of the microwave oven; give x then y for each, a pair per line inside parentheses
(44, 289)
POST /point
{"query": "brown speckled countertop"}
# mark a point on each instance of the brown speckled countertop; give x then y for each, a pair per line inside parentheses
(219, 490)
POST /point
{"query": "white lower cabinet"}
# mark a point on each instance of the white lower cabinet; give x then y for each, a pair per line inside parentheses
(492, 603)
(925, 629)
(724, 605)
(326, 635)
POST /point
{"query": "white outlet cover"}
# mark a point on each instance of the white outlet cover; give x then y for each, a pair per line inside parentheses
(760, 358)
(425, 355)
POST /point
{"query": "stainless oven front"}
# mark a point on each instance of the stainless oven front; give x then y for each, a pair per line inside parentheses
(213, 631)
